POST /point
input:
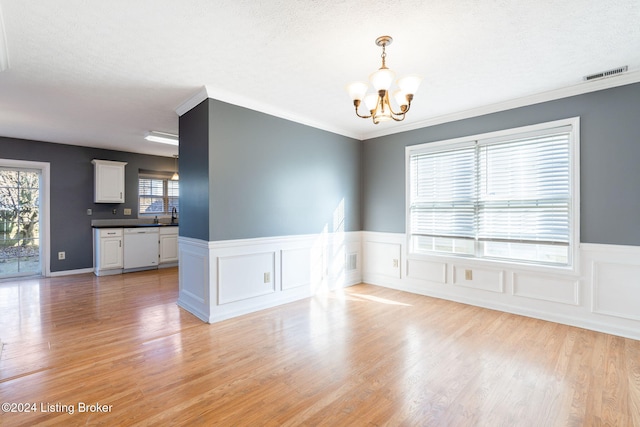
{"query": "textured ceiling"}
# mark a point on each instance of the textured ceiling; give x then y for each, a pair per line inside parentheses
(102, 73)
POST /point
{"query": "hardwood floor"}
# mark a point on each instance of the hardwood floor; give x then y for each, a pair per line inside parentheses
(362, 356)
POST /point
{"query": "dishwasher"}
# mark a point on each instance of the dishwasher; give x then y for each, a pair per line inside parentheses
(141, 248)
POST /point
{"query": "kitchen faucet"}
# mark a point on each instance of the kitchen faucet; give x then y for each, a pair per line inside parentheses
(174, 214)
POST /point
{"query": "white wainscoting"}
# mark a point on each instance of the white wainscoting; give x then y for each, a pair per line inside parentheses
(390, 252)
(194, 275)
(546, 287)
(235, 277)
(487, 279)
(614, 272)
(220, 280)
(245, 276)
(604, 295)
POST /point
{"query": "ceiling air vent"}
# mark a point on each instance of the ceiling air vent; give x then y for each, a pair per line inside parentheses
(607, 73)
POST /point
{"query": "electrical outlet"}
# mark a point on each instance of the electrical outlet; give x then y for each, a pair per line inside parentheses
(396, 263)
(89, 212)
(114, 211)
(127, 211)
(267, 277)
(62, 255)
(468, 275)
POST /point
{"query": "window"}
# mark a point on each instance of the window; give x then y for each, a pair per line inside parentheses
(157, 194)
(507, 195)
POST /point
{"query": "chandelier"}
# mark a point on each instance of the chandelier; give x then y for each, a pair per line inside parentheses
(378, 104)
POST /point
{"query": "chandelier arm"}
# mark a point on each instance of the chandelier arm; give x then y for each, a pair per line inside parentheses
(364, 117)
(401, 113)
(379, 106)
(356, 104)
(409, 99)
(393, 113)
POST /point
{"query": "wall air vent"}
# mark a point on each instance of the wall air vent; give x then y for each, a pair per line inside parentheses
(352, 262)
(607, 73)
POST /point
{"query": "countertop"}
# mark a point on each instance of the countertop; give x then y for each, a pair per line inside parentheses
(129, 223)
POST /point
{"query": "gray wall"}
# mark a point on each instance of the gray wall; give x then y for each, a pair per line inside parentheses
(194, 172)
(269, 176)
(609, 171)
(71, 186)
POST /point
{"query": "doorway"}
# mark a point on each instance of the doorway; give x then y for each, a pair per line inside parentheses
(21, 219)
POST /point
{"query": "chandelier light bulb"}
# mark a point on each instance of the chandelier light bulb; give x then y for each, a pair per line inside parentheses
(357, 90)
(410, 84)
(382, 79)
(371, 101)
(401, 98)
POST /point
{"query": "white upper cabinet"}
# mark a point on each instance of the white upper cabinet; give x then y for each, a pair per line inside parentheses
(108, 181)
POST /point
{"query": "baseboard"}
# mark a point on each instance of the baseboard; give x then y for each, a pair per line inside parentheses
(70, 272)
(193, 310)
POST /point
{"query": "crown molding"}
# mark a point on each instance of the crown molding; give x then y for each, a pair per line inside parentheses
(565, 92)
(192, 101)
(241, 101)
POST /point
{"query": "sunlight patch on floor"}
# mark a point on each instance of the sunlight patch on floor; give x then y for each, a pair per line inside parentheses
(352, 296)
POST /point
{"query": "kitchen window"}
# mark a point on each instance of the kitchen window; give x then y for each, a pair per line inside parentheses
(157, 194)
(509, 195)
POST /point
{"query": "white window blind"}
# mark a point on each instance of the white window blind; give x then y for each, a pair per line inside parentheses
(507, 198)
(443, 208)
(157, 194)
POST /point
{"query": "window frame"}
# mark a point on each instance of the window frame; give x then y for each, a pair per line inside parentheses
(165, 177)
(503, 135)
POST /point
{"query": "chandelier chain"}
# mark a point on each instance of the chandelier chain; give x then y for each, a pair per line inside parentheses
(383, 56)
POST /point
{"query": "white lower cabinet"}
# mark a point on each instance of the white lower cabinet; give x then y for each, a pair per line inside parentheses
(109, 246)
(109, 256)
(169, 245)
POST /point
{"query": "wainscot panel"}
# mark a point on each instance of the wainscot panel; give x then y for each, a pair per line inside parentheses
(296, 266)
(245, 276)
(546, 288)
(383, 258)
(487, 279)
(614, 272)
(433, 271)
(613, 293)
